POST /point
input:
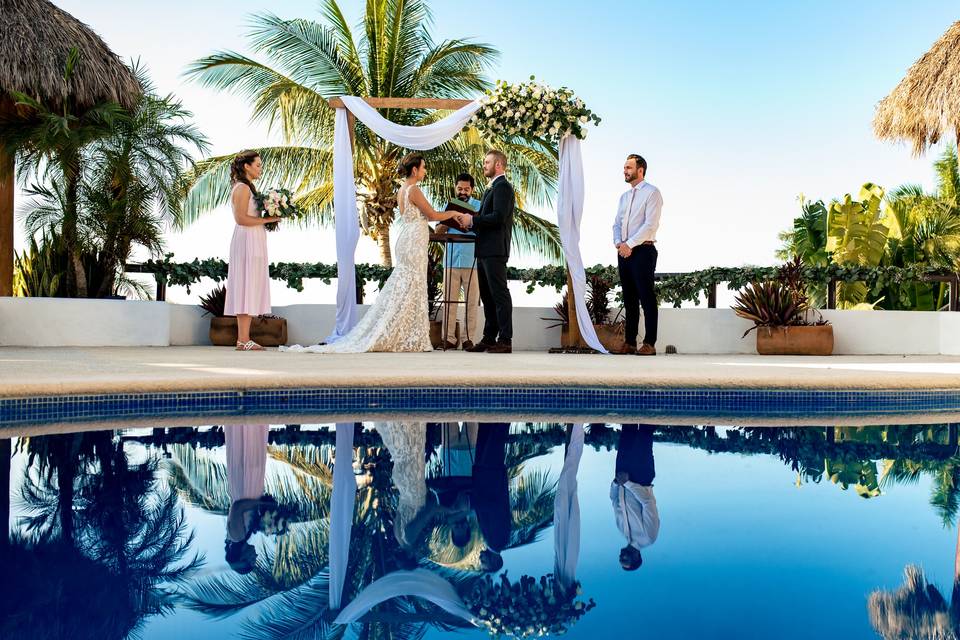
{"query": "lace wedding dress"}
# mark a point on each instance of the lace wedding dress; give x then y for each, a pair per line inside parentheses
(406, 442)
(398, 321)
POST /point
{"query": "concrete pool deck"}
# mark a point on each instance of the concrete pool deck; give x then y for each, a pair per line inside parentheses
(26, 372)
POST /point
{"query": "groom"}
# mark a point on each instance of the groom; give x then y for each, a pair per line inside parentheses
(494, 228)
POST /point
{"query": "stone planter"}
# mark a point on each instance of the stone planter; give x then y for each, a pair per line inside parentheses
(267, 332)
(795, 341)
(610, 336)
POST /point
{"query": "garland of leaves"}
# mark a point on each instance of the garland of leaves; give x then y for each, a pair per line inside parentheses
(674, 289)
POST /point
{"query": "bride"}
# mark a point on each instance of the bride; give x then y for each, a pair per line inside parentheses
(398, 321)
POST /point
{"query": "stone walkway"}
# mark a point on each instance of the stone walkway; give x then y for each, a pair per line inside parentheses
(52, 371)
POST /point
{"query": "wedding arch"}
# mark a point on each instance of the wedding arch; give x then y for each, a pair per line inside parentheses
(422, 583)
(570, 192)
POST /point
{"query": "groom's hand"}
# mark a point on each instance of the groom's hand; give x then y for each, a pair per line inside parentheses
(624, 250)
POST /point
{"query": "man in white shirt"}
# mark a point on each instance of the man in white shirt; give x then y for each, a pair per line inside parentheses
(631, 493)
(635, 237)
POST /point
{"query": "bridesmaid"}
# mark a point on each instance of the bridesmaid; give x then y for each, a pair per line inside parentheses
(248, 272)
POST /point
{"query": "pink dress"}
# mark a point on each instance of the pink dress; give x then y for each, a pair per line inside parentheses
(248, 272)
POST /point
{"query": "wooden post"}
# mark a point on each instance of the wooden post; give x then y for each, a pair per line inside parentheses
(832, 294)
(574, 337)
(7, 187)
(712, 296)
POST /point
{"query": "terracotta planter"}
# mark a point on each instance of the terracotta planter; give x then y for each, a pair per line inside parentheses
(795, 341)
(609, 335)
(267, 332)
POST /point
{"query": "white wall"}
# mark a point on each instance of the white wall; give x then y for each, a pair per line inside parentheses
(45, 322)
(48, 322)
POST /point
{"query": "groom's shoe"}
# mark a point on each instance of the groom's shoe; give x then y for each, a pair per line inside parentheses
(501, 347)
(646, 350)
(627, 349)
(467, 345)
(480, 347)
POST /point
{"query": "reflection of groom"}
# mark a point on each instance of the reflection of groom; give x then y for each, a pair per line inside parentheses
(494, 228)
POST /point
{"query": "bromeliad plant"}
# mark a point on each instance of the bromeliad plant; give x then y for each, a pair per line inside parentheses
(782, 302)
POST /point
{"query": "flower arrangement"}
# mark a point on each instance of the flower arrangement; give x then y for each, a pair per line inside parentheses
(526, 608)
(276, 202)
(534, 111)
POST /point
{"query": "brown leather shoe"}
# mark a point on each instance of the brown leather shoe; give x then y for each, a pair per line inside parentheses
(501, 347)
(627, 349)
(646, 350)
(480, 347)
(467, 345)
(449, 346)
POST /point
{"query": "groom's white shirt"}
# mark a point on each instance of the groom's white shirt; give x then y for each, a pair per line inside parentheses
(638, 215)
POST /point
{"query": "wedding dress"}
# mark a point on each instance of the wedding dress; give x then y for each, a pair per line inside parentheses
(398, 321)
(406, 442)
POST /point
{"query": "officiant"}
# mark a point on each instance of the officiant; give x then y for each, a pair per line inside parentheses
(459, 275)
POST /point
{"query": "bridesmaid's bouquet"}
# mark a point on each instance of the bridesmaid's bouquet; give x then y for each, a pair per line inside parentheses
(279, 203)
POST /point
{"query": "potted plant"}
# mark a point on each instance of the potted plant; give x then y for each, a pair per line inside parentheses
(781, 313)
(268, 331)
(610, 333)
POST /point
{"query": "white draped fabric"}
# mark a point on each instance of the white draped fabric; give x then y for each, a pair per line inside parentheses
(570, 196)
(345, 190)
(418, 583)
(341, 511)
(566, 513)
(347, 227)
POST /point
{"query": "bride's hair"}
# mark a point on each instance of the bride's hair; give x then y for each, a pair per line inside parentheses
(410, 162)
(238, 168)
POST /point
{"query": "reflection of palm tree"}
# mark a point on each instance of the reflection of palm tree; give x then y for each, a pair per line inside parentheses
(291, 582)
(100, 559)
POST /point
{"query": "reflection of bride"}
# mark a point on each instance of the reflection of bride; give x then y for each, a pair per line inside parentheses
(406, 442)
(251, 510)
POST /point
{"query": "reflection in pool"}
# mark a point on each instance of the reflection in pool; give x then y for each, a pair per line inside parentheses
(413, 529)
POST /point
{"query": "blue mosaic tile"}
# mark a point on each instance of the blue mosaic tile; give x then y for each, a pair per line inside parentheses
(758, 403)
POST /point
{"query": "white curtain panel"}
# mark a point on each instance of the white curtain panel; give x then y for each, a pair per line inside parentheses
(569, 212)
(418, 583)
(347, 227)
(345, 190)
(566, 513)
(341, 511)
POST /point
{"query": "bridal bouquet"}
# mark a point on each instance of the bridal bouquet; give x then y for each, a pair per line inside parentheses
(526, 608)
(534, 110)
(276, 202)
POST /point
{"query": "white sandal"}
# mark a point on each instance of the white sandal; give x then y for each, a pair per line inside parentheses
(249, 345)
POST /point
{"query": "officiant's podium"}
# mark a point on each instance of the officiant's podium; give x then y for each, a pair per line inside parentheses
(446, 239)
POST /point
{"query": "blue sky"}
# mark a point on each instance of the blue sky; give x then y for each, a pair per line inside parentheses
(738, 107)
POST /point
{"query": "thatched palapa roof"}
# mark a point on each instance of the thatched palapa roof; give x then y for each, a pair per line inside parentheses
(926, 103)
(36, 39)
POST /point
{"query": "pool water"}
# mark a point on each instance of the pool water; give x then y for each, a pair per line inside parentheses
(398, 529)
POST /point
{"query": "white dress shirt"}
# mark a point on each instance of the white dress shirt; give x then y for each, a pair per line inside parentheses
(638, 215)
(635, 509)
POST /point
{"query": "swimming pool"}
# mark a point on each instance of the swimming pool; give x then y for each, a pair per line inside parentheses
(762, 532)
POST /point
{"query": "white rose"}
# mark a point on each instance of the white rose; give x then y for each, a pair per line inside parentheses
(553, 131)
(549, 108)
(584, 119)
(488, 112)
(509, 113)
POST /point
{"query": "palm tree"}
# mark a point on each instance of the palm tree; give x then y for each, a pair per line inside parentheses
(101, 546)
(290, 580)
(928, 231)
(393, 55)
(49, 141)
(126, 188)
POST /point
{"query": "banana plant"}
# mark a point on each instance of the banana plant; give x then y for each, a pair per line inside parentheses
(857, 233)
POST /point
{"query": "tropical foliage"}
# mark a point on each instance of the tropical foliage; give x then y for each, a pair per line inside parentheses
(105, 183)
(301, 63)
(904, 229)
